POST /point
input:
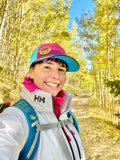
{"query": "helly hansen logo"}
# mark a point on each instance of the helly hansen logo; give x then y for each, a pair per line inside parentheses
(39, 99)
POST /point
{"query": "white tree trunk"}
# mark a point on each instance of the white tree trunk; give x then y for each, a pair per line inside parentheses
(3, 21)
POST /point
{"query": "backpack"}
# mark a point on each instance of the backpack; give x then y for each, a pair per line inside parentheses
(29, 150)
(32, 142)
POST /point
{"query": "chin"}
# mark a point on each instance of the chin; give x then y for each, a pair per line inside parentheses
(54, 94)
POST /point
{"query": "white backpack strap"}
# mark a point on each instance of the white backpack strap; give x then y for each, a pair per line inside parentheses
(35, 139)
(62, 141)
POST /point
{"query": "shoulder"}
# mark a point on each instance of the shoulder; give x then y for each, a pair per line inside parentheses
(13, 126)
(14, 118)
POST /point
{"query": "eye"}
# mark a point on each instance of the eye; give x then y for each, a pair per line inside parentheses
(46, 67)
(62, 70)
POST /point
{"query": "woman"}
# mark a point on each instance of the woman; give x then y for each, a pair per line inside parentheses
(43, 91)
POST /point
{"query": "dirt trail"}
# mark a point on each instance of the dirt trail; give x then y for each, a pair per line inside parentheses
(98, 140)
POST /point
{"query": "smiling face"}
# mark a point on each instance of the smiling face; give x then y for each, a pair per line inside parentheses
(49, 76)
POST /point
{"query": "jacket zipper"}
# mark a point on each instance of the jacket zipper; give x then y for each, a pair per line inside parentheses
(69, 144)
(73, 134)
(63, 131)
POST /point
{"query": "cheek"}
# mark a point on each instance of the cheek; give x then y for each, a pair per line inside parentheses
(40, 79)
(63, 79)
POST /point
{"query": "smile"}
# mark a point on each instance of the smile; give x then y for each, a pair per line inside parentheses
(52, 84)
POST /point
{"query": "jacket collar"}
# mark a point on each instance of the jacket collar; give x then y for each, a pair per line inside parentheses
(43, 101)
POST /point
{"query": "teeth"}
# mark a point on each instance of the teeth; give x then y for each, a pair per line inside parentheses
(52, 84)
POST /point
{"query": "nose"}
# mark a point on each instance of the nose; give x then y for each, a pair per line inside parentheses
(55, 74)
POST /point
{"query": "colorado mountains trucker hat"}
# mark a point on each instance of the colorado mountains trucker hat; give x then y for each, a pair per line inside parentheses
(53, 50)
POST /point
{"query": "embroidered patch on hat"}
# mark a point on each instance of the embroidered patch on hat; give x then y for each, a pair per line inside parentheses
(45, 50)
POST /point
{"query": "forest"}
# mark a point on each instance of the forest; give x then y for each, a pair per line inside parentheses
(95, 36)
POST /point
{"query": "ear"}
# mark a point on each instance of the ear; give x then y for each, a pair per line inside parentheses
(31, 73)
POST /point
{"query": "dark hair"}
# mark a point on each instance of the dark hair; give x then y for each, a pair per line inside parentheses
(51, 59)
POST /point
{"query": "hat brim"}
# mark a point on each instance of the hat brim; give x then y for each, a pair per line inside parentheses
(72, 64)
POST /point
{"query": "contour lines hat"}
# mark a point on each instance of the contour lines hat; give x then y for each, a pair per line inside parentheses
(53, 50)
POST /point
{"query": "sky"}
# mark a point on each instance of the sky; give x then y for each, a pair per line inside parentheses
(76, 9)
(77, 6)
